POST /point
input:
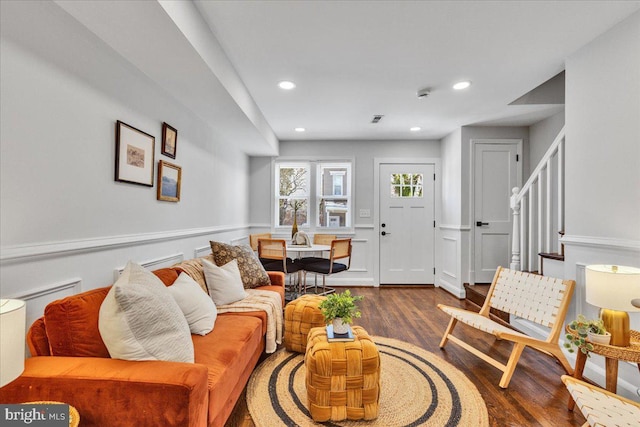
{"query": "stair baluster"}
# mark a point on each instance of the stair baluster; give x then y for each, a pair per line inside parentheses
(538, 210)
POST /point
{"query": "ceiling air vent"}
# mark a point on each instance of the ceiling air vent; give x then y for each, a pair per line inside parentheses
(377, 118)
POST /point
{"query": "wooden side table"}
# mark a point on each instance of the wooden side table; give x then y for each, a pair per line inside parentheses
(612, 355)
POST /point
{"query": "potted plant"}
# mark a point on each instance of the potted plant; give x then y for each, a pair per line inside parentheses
(584, 332)
(340, 309)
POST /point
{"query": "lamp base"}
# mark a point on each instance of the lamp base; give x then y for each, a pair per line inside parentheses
(617, 322)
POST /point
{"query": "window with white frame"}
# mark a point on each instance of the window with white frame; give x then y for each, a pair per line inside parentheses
(333, 195)
(329, 189)
(292, 193)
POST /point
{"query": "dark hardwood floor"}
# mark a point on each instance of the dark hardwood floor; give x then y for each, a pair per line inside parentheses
(536, 395)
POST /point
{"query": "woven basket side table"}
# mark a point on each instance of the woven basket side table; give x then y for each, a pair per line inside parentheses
(300, 316)
(343, 378)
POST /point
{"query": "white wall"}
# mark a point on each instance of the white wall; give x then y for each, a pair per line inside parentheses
(63, 218)
(603, 168)
(541, 135)
(603, 134)
(364, 263)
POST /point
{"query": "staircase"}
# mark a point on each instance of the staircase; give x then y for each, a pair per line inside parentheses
(538, 225)
(538, 212)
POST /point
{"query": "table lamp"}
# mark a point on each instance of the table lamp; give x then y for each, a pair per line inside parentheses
(12, 336)
(612, 288)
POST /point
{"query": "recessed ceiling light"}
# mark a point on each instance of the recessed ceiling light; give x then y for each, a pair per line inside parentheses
(299, 129)
(462, 85)
(286, 85)
(415, 129)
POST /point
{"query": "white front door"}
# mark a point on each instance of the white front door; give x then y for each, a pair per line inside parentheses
(407, 229)
(495, 174)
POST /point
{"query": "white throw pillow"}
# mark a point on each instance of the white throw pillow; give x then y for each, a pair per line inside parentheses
(139, 320)
(224, 283)
(198, 308)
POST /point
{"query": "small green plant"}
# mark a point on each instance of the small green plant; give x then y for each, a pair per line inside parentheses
(581, 327)
(342, 305)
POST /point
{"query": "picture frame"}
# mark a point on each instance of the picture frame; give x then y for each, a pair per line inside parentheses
(169, 140)
(169, 181)
(135, 155)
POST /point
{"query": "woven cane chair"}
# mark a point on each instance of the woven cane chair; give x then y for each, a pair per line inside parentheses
(253, 242)
(323, 239)
(340, 249)
(318, 239)
(253, 239)
(540, 299)
(274, 254)
(601, 407)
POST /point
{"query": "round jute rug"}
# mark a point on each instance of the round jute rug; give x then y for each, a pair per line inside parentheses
(417, 389)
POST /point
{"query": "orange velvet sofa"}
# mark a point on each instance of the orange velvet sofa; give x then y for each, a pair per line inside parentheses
(71, 364)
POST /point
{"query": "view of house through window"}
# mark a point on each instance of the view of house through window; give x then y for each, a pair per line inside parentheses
(329, 188)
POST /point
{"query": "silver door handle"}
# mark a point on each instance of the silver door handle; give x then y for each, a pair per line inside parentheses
(384, 233)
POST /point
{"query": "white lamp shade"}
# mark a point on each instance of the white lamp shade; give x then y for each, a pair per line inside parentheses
(613, 287)
(13, 316)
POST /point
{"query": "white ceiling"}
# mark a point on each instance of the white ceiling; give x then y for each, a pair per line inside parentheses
(354, 59)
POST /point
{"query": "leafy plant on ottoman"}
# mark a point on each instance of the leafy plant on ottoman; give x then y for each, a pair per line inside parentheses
(340, 309)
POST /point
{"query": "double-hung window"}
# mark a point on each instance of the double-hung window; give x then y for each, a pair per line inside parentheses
(317, 192)
(292, 193)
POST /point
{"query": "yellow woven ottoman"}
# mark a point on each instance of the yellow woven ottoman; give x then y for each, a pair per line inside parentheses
(300, 315)
(343, 378)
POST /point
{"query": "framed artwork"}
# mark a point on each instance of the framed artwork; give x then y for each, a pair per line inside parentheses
(169, 181)
(135, 152)
(169, 140)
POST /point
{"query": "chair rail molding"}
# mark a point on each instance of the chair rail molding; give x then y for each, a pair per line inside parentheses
(601, 243)
(102, 243)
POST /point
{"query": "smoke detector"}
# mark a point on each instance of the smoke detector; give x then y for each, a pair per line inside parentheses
(423, 93)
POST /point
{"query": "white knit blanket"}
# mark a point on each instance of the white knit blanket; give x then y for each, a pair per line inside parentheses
(267, 301)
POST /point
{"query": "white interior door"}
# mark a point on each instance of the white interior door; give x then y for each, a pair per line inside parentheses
(407, 230)
(495, 174)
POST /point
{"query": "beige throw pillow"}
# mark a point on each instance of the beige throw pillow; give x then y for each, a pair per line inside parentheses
(224, 283)
(251, 270)
(198, 308)
(139, 320)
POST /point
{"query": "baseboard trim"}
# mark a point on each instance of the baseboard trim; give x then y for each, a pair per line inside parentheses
(452, 289)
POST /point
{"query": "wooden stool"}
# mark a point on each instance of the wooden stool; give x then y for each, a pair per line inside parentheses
(343, 378)
(300, 315)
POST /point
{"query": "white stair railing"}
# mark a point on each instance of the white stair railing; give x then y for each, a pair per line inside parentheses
(533, 206)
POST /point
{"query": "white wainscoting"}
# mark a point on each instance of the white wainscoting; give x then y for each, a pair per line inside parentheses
(37, 299)
(581, 251)
(201, 251)
(154, 264)
(28, 271)
(103, 243)
(450, 268)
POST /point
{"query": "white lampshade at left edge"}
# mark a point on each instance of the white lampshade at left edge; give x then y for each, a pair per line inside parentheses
(13, 315)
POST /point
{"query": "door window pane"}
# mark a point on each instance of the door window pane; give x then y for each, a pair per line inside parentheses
(406, 184)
